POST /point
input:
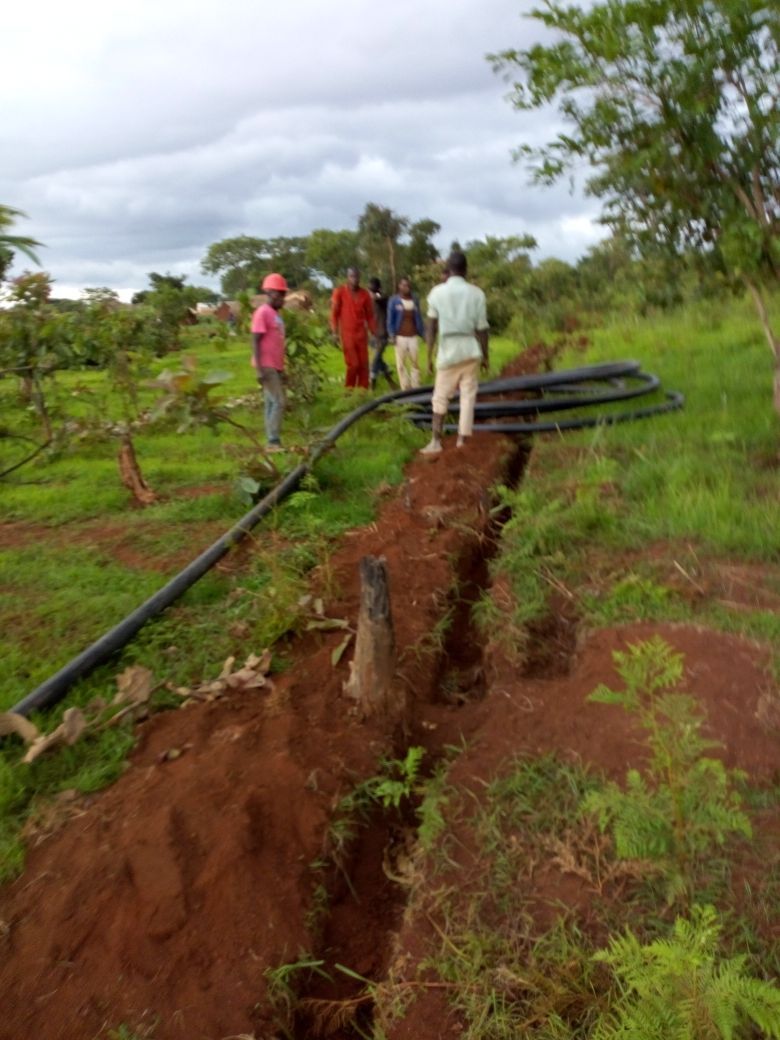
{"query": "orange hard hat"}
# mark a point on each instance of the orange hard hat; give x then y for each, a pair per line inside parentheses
(275, 281)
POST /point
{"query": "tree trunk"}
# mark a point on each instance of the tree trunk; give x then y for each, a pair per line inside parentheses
(372, 671)
(39, 401)
(772, 340)
(393, 277)
(130, 473)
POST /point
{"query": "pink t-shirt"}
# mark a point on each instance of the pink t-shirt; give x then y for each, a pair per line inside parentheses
(268, 323)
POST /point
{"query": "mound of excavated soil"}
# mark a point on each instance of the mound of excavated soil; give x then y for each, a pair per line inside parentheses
(532, 716)
(166, 897)
(163, 900)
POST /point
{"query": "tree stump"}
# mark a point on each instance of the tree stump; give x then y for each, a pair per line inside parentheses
(131, 476)
(372, 670)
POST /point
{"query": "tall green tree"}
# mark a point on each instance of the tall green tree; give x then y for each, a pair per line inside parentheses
(379, 231)
(34, 340)
(674, 103)
(330, 253)
(421, 249)
(243, 261)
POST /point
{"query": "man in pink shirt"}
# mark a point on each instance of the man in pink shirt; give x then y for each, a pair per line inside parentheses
(268, 355)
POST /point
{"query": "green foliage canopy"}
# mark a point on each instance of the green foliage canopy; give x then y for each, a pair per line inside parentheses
(244, 260)
(330, 253)
(674, 104)
(9, 243)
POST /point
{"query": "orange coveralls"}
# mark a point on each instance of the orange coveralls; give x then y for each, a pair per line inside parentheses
(352, 316)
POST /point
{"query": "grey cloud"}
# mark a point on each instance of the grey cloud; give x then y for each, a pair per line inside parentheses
(157, 136)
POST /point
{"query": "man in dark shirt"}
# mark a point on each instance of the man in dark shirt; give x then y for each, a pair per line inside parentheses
(379, 366)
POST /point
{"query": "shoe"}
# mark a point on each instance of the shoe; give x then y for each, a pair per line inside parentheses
(432, 448)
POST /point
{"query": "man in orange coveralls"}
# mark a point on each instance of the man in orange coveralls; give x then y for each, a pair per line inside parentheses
(351, 319)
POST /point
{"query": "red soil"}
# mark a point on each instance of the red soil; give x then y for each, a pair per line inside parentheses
(173, 891)
(167, 896)
(728, 675)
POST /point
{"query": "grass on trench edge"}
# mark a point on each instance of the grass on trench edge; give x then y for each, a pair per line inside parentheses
(55, 599)
(509, 955)
(636, 522)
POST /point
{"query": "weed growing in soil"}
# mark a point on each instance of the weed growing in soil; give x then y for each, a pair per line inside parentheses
(524, 895)
(685, 804)
(125, 1032)
(283, 983)
(678, 987)
(389, 788)
(431, 811)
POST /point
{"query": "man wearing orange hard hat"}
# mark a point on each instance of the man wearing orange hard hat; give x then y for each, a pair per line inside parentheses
(268, 355)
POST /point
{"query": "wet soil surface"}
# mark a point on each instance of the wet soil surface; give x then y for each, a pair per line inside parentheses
(538, 714)
(163, 900)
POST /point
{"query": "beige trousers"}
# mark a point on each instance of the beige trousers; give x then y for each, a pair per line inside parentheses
(463, 377)
(406, 350)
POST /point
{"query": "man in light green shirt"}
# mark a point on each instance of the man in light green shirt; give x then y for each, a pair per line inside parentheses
(457, 312)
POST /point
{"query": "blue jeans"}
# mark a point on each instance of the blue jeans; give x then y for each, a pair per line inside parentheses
(273, 396)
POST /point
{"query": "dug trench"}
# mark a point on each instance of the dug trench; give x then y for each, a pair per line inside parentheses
(366, 888)
(161, 904)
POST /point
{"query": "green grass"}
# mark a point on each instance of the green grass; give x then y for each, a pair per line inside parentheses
(631, 518)
(703, 473)
(512, 925)
(629, 523)
(62, 586)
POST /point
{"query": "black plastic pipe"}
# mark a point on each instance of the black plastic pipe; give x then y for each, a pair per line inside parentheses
(568, 382)
(56, 686)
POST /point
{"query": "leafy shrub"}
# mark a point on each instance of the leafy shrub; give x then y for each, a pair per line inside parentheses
(306, 339)
(685, 803)
(677, 988)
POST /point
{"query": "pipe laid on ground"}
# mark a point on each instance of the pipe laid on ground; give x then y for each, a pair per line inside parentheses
(56, 686)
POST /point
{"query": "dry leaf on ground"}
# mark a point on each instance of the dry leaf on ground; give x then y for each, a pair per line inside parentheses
(68, 732)
(252, 675)
(10, 722)
(134, 686)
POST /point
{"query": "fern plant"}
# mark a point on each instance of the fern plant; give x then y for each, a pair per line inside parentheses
(678, 989)
(685, 803)
(397, 779)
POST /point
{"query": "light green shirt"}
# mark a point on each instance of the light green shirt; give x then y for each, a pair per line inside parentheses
(461, 310)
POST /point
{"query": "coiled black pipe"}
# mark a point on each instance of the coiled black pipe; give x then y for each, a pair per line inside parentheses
(576, 388)
(576, 385)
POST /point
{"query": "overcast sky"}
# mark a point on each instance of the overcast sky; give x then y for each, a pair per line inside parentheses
(135, 133)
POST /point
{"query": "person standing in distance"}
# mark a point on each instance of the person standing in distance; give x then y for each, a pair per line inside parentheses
(457, 312)
(268, 356)
(379, 366)
(404, 325)
(351, 320)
